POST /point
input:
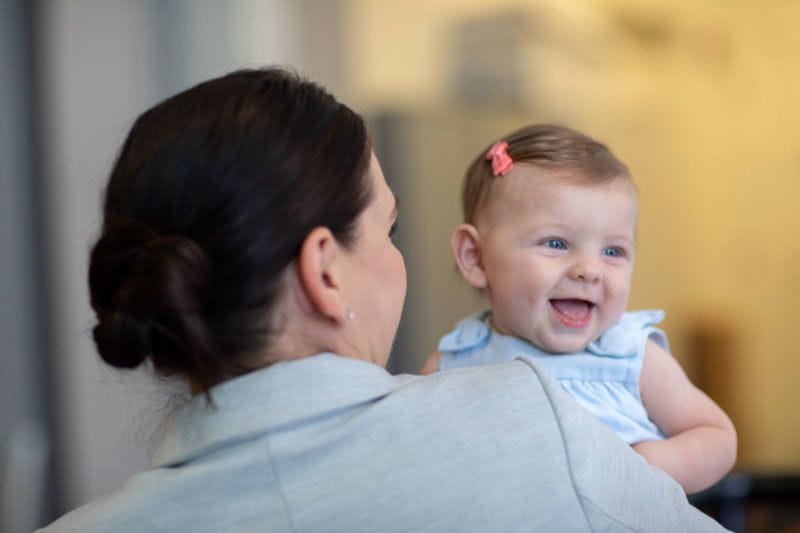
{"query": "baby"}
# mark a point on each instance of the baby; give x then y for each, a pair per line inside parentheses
(549, 238)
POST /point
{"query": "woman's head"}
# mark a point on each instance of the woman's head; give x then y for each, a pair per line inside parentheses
(550, 241)
(211, 198)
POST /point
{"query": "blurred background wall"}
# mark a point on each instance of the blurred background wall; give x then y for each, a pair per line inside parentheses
(698, 98)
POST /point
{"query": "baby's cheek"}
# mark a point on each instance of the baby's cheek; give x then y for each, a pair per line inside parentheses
(614, 314)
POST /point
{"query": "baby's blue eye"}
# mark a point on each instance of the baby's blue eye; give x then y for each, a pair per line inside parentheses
(613, 251)
(556, 244)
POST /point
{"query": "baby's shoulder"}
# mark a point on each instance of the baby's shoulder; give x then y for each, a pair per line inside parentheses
(630, 334)
(468, 334)
(639, 319)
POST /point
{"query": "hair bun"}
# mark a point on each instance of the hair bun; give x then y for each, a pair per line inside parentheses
(147, 291)
(122, 340)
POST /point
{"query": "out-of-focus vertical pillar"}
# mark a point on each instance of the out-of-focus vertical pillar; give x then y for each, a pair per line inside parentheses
(24, 438)
(100, 65)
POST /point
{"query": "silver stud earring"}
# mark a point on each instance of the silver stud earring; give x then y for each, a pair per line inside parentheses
(350, 314)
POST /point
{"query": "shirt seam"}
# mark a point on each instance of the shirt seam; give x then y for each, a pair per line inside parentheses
(284, 499)
(564, 444)
(602, 511)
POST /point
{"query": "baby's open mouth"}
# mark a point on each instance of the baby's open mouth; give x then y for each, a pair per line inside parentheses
(573, 313)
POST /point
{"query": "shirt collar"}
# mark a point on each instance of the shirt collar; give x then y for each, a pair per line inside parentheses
(259, 401)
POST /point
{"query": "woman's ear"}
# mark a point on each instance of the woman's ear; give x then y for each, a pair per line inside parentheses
(466, 246)
(319, 268)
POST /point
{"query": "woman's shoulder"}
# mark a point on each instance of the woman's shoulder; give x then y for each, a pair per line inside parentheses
(524, 382)
(192, 497)
(117, 511)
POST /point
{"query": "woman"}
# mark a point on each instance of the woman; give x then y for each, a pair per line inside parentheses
(246, 247)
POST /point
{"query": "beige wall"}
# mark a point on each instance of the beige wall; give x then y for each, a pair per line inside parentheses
(700, 100)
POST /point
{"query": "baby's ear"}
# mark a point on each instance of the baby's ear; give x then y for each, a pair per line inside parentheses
(466, 246)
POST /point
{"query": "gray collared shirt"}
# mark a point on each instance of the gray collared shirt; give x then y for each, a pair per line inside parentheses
(327, 443)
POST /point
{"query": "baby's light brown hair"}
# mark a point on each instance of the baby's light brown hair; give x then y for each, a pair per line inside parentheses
(547, 146)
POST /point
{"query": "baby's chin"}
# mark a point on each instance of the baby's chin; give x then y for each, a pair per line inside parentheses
(562, 348)
(562, 345)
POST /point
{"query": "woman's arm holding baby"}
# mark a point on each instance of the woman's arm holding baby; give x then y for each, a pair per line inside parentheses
(700, 447)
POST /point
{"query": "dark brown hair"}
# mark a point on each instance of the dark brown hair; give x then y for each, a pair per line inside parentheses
(209, 201)
(549, 147)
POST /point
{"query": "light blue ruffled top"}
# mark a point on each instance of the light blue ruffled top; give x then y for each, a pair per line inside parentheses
(603, 378)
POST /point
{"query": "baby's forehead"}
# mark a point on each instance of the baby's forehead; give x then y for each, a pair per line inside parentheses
(527, 185)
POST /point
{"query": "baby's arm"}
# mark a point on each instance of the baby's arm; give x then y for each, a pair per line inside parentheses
(431, 365)
(700, 447)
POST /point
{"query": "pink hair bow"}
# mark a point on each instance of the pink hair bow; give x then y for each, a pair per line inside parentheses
(501, 161)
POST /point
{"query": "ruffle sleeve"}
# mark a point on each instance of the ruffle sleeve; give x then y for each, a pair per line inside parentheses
(471, 333)
(627, 337)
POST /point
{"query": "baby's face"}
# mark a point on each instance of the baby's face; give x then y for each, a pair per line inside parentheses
(558, 257)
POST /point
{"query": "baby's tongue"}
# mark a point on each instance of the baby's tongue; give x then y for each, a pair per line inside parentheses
(575, 309)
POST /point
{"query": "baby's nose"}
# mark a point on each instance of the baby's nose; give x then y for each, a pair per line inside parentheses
(587, 270)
